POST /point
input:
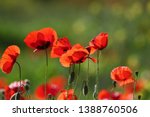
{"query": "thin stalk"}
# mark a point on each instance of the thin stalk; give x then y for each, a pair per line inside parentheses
(134, 85)
(98, 54)
(97, 69)
(79, 67)
(46, 71)
(87, 79)
(134, 88)
(19, 68)
(68, 85)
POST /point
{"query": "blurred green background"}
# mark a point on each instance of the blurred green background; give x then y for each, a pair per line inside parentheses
(127, 22)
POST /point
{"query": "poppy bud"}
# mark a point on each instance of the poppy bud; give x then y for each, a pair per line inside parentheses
(114, 84)
(27, 87)
(137, 74)
(2, 92)
(71, 77)
(85, 88)
(15, 96)
(95, 92)
(139, 97)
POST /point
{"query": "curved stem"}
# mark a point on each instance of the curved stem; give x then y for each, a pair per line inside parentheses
(19, 67)
(46, 70)
(97, 74)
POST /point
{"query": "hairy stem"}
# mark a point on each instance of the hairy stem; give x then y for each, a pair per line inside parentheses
(46, 71)
(19, 68)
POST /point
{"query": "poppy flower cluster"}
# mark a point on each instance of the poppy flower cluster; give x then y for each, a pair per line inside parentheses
(69, 56)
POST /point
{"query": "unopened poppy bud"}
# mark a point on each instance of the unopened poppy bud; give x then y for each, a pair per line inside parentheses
(95, 92)
(27, 87)
(85, 88)
(137, 74)
(15, 96)
(139, 97)
(114, 84)
(71, 77)
(2, 93)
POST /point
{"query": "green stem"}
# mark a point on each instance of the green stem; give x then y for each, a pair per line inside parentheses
(97, 69)
(87, 80)
(46, 71)
(134, 88)
(77, 77)
(97, 77)
(19, 68)
(68, 85)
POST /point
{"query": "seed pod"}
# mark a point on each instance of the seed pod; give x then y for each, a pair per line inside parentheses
(71, 78)
(85, 88)
(95, 92)
(15, 96)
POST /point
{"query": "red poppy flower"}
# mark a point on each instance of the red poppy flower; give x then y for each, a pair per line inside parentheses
(53, 87)
(61, 46)
(122, 75)
(9, 58)
(40, 91)
(8, 93)
(107, 95)
(77, 54)
(100, 41)
(115, 95)
(67, 95)
(104, 95)
(126, 96)
(41, 39)
(139, 86)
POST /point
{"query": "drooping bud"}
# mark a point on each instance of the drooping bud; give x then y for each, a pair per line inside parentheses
(139, 97)
(2, 93)
(71, 78)
(27, 87)
(85, 88)
(114, 84)
(137, 74)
